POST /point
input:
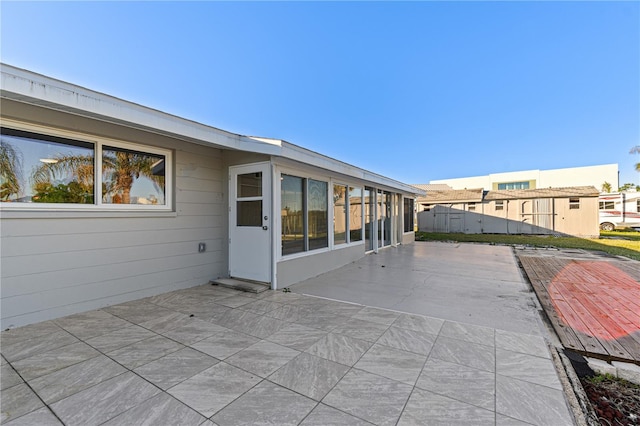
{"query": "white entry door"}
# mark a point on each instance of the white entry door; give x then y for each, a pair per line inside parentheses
(250, 222)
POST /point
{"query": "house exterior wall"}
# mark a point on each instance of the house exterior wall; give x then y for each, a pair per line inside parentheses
(56, 263)
(574, 176)
(291, 271)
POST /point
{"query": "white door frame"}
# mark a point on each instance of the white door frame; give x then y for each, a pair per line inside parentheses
(251, 245)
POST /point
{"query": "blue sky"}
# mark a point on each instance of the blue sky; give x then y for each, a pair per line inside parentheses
(413, 90)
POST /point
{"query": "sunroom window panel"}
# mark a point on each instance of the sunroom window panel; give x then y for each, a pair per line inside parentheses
(132, 177)
(339, 214)
(317, 214)
(44, 169)
(355, 214)
(292, 214)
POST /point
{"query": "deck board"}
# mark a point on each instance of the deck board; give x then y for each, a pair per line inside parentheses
(593, 304)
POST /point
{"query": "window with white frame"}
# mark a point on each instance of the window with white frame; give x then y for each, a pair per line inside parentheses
(45, 170)
(304, 214)
(347, 214)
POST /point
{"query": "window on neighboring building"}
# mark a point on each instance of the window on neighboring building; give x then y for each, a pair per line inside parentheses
(499, 205)
(304, 214)
(513, 185)
(43, 169)
(610, 205)
(637, 205)
(408, 214)
(574, 203)
(471, 207)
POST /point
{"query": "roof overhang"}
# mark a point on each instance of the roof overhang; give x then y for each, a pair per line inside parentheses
(27, 87)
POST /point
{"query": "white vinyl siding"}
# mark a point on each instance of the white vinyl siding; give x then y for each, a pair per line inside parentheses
(58, 263)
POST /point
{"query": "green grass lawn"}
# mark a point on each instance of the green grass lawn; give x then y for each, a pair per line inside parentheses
(619, 243)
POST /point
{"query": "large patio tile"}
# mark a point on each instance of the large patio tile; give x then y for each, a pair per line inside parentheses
(354, 395)
(169, 321)
(502, 420)
(261, 307)
(341, 308)
(392, 363)
(214, 388)
(8, 377)
(28, 332)
(194, 330)
(266, 404)
(17, 401)
(470, 354)
(262, 358)
(37, 345)
(324, 415)
(138, 311)
(527, 367)
(466, 384)
(322, 320)
(427, 408)
(104, 401)
(296, 336)
(523, 343)
(120, 338)
(234, 301)
(290, 313)
(90, 324)
(259, 326)
(62, 383)
(408, 340)
(281, 297)
(176, 367)
(419, 323)
(53, 360)
(40, 417)
(225, 344)
(361, 329)
(532, 403)
(309, 375)
(161, 409)
(144, 351)
(380, 316)
(339, 348)
(468, 333)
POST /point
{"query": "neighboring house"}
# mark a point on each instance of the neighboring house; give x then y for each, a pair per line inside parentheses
(556, 211)
(106, 201)
(533, 179)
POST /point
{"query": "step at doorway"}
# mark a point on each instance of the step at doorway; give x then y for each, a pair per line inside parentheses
(241, 285)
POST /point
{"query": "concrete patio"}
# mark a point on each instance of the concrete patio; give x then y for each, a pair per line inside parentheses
(214, 356)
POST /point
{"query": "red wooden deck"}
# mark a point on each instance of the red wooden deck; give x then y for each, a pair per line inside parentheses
(594, 305)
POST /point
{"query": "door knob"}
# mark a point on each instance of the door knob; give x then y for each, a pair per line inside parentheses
(265, 227)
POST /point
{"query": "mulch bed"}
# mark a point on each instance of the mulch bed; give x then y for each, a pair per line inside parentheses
(615, 401)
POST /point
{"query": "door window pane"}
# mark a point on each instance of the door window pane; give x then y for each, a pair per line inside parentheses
(292, 214)
(132, 177)
(318, 207)
(355, 214)
(250, 185)
(339, 214)
(45, 169)
(408, 215)
(249, 213)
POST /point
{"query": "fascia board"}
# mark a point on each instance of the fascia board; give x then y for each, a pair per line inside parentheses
(24, 86)
(303, 155)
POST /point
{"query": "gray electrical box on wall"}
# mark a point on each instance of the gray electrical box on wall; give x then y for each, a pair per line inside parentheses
(202, 247)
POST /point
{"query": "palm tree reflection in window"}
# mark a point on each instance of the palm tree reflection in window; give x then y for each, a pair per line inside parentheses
(122, 168)
(10, 166)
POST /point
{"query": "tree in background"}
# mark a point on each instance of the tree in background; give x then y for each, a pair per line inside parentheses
(10, 164)
(606, 187)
